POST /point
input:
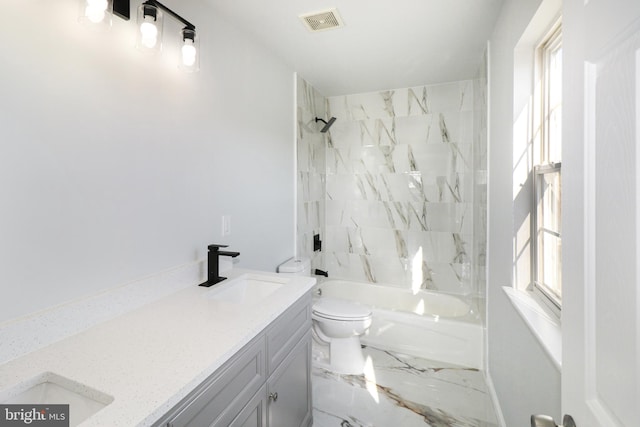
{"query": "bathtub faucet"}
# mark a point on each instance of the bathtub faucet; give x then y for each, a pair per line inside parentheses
(213, 276)
(320, 273)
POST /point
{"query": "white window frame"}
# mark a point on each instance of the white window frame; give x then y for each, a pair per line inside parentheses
(547, 293)
(543, 164)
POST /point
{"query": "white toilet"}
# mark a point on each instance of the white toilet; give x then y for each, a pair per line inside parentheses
(337, 327)
(340, 323)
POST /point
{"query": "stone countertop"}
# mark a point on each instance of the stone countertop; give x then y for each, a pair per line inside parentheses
(150, 358)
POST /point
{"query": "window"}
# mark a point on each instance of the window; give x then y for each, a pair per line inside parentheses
(547, 255)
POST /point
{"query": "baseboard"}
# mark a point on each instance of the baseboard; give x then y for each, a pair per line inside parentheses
(494, 399)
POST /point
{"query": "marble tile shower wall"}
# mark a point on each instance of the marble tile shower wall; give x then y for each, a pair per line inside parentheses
(480, 144)
(399, 187)
(311, 171)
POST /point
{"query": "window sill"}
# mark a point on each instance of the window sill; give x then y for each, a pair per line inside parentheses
(544, 327)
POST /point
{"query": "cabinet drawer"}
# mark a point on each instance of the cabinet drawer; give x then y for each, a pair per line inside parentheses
(287, 330)
(220, 398)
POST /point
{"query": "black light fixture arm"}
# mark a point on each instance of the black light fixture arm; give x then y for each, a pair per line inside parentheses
(188, 25)
(122, 8)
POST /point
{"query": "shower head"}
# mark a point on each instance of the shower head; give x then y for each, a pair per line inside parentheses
(327, 124)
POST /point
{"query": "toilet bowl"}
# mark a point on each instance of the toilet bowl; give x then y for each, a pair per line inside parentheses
(337, 327)
(339, 324)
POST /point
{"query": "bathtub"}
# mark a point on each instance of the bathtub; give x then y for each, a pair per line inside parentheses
(426, 324)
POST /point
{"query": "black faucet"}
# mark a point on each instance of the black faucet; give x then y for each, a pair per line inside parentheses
(212, 261)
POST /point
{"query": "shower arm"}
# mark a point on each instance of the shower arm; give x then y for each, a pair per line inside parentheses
(327, 124)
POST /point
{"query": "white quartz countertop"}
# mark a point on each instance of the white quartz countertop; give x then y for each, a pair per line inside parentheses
(150, 358)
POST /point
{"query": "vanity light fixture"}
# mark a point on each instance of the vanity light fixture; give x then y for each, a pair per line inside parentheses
(98, 13)
(150, 19)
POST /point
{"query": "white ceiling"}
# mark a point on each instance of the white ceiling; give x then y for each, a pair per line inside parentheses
(385, 44)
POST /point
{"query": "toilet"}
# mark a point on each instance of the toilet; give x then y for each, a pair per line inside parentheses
(340, 324)
(337, 327)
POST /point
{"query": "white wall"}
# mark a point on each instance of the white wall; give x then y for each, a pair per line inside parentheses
(116, 166)
(525, 379)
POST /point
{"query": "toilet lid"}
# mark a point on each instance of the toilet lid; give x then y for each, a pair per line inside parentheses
(334, 308)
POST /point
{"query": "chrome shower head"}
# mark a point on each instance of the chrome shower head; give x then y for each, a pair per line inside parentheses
(327, 124)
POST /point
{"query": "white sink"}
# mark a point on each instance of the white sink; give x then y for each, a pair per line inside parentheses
(246, 289)
(51, 389)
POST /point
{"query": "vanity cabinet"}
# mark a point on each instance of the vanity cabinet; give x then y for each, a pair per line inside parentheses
(266, 384)
(285, 399)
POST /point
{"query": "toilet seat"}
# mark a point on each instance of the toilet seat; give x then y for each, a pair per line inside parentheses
(337, 309)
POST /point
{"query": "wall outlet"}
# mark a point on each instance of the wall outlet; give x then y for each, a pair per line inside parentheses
(226, 225)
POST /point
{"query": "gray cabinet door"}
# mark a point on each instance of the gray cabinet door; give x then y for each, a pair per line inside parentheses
(289, 388)
(255, 413)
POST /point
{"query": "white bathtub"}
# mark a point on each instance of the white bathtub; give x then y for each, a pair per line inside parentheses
(426, 324)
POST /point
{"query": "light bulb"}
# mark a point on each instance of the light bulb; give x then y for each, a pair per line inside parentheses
(149, 32)
(188, 53)
(95, 10)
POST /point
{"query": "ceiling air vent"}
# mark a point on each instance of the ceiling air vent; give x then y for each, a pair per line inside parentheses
(320, 21)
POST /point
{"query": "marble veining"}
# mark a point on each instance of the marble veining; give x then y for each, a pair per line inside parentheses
(421, 102)
(401, 151)
(400, 390)
(396, 165)
(387, 97)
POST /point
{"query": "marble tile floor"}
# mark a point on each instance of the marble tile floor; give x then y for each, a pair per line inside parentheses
(401, 391)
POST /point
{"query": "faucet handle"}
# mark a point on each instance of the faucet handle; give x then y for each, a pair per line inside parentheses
(215, 247)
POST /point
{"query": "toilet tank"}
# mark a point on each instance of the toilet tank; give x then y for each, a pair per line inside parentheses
(297, 266)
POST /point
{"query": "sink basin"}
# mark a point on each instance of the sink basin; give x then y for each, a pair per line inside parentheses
(51, 389)
(247, 289)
